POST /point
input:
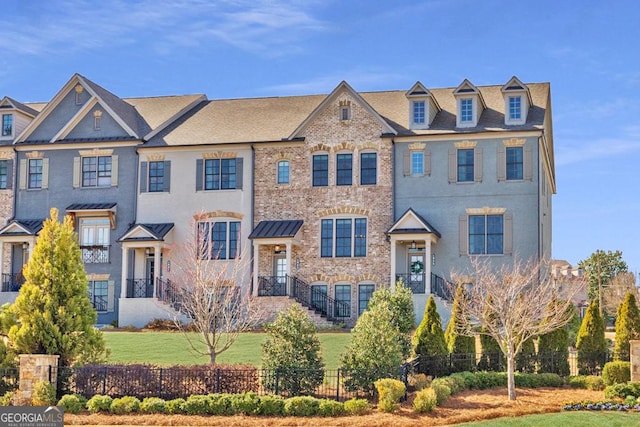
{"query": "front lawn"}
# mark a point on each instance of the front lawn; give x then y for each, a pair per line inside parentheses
(172, 348)
(565, 419)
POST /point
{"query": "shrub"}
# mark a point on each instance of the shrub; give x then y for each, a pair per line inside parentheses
(460, 347)
(538, 380)
(162, 325)
(425, 400)
(442, 392)
(245, 403)
(487, 380)
(72, 403)
(622, 390)
(429, 337)
(153, 405)
(175, 406)
(553, 351)
(99, 403)
(589, 382)
(196, 404)
(124, 405)
(400, 301)
(627, 326)
(221, 404)
(526, 359)
(330, 408)
(419, 381)
(356, 406)
(5, 399)
(455, 382)
(271, 405)
(301, 406)
(390, 391)
(591, 343)
(44, 394)
(616, 372)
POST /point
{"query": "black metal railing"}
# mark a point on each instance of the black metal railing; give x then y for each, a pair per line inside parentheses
(95, 254)
(139, 288)
(442, 288)
(99, 302)
(11, 282)
(272, 286)
(169, 293)
(415, 282)
(317, 299)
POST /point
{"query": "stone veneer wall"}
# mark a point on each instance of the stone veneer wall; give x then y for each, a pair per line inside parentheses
(635, 360)
(35, 368)
(300, 200)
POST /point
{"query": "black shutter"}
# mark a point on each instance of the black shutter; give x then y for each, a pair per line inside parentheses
(143, 177)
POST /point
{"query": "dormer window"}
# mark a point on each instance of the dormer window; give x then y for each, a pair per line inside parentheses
(469, 104)
(418, 112)
(97, 119)
(7, 124)
(422, 107)
(466, 110)
(517, 101)
(515, 108)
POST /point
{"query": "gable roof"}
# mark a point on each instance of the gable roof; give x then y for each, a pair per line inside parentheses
(25, 227)
(12, 103)
(410, 222)
(147, 232)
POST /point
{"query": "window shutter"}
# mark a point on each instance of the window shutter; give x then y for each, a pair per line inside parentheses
(508, 234)
(239, 173)
(114, 171)
(76, 172)
(166, 180)
(111, 296)
(45, 173)
(528, 164)
(452, 166)
(9, 174)
(427, 162)
(477, 164)
(406, 163)
(23, 174)
(463, 235)
(144, 176)
(502, 164)
(199, 166)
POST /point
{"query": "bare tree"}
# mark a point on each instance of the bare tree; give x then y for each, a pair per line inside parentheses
(614, 294)
(513, 302)
(211, 294)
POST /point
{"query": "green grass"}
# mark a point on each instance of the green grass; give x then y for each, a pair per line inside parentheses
(172, 348)
(566, 419)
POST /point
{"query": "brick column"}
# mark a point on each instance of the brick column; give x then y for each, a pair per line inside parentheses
(34, 368)
(635, 360)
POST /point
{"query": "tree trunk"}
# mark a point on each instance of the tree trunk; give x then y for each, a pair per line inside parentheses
(511, 380)
(212, 356)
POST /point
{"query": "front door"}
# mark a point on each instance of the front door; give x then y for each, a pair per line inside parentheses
(416, 272)
(280, 274)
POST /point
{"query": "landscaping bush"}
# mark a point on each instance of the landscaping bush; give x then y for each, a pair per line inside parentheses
(400, 300)
(616, 372)
(390, 391)
(221, 404)
(627, 326)
(591, 343)
(462, 348)
(455, 382)
(622, 390)
(272, 406)
(419, 381)
(196, 404)
(589, 382)
(425, 400)
(442, 392)
(245, 403)
(526, 359)
(72, 403)
(485, 380)
(538, 380)
(356, 406)
(301, 406)
(5, 399)
(44, 394)
(330, 408)
(553, 350)
(153, 405)
(175, 406)
(99, 403)
(124, 405)
(428, 339)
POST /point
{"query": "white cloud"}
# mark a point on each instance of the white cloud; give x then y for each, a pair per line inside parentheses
(583, 148)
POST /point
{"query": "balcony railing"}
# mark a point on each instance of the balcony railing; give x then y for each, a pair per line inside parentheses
(415, 282)
(11, 282)
(95, 254)
(139, 288)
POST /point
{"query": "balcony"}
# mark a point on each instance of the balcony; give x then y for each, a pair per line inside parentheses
(11, 282)
(95, 254)
(416, 282)
(139, 288)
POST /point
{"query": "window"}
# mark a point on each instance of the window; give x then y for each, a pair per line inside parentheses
(4, 174)
(346, 236)
(418, 112)
(219, 240)
(220, 174)
(35, 173)
(343, 300)
(94, 240)
(515, 163)
(368, 168)
(486, 234)
(417, 163)
(7, 124)
(466, 110)
(96, 171)
(99, 294)
(364, 295)
(465, 165)
(515, 108)
(344, 169)
(320, 170)
(156, 176)
(283, 172)
(345, 113)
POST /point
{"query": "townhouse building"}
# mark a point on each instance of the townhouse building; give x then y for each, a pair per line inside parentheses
(325, 197)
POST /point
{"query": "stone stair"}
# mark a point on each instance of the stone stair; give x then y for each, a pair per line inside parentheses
(274, 305)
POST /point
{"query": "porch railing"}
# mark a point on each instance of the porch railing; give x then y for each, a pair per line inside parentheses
(95, 254)
(441, 287)
(272, 286)
(11, 282)
(415, 282)
(139, 288)
(168, 292)
(99, 302)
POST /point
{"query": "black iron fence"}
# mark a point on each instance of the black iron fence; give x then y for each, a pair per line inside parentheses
(140, 288)
(415, 282)
(9, 379)
(11, 282)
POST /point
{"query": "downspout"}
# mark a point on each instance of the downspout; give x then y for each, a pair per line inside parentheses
(251, 204)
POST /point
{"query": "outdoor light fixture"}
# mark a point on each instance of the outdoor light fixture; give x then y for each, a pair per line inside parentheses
(277, 248)
(25, 246)
(147, 251)
(413, 244)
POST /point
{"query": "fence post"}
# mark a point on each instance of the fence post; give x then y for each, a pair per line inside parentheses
(277, 381)
(217, 380)
(104, 382)
(160, 384)
(338, 387)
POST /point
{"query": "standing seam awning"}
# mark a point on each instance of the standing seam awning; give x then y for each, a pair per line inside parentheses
(274, 229)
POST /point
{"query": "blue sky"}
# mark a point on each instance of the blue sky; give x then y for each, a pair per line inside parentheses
(587, 50)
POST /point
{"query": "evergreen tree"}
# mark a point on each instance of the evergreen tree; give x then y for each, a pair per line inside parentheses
(428, 341)
(53, 313)
(600, 268)
(591, 343)
(374, 351)
(491, 358)
(292, 346)
(573, 326)
(627, 326)
(553, 352)
(402, 314)
(462, 348)
(526, 359)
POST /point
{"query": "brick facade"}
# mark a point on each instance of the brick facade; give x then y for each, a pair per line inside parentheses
(6, 208)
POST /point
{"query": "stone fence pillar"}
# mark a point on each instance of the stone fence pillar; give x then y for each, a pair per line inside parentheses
(35, 368)
(634, 346)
